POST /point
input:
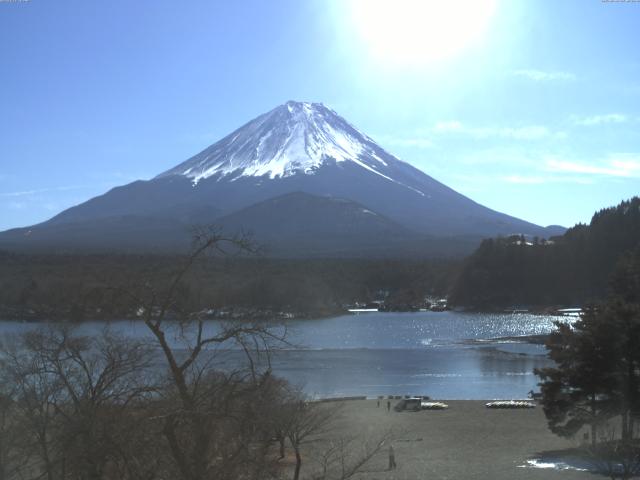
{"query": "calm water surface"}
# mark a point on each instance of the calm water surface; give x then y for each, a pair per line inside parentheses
(444, 355)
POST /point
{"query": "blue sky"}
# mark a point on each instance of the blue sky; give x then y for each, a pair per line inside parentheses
(537, 116)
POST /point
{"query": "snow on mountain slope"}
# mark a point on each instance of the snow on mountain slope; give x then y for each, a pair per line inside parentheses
(294, 138)
(301, 148)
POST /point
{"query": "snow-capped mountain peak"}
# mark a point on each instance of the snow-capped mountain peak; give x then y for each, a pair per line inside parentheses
(301, 177)
(294, 138)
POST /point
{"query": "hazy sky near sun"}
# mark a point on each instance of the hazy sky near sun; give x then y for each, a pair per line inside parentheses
(530, 108)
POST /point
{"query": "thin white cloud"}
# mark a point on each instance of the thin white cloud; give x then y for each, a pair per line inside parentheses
(426, 137)
(21, 193)
(111, 178)
(542, 179)
(528, 132)
(624, 165)
(502, 155)
(26, 193)
(593, 120)
(522, 179)
(398, 141)
(544, 76)
(535, 178)
(521, 165)
(448, 126)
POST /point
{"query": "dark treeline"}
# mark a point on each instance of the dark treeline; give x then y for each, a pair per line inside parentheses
(80, 287)
(567, 270)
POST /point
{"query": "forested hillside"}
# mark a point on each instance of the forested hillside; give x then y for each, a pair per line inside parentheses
(568, 270)
(80, 287)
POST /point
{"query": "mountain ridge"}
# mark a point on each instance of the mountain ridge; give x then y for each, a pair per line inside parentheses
(296, 147)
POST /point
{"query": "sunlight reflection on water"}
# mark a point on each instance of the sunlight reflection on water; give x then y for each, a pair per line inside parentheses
(445, 355)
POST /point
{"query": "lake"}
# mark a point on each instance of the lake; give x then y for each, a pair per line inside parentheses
(446, 355)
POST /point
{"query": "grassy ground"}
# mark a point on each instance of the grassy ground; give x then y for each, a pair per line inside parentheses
(467, 441)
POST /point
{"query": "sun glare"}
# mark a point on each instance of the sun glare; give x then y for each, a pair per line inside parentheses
(419, 32)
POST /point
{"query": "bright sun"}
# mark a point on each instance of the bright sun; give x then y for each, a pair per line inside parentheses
(419, 32)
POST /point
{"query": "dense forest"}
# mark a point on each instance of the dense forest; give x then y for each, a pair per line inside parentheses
(80, 287)
(572, 269)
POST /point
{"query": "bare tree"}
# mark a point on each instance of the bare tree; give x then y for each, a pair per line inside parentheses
(74, 399)
(207, 408)
(34, 395)
(311, 430)
(343, 458)
(12, 441)
(306, 422)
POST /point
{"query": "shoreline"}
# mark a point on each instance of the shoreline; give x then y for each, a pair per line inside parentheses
(12, 314)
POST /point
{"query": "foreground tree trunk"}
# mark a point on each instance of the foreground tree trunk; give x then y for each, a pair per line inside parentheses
(296, 474)
(281, 440)
(594, 426)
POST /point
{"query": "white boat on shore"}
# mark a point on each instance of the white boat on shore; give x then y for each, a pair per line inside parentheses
(569, 312)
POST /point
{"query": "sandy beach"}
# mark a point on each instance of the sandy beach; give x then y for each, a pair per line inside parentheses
(466, 441)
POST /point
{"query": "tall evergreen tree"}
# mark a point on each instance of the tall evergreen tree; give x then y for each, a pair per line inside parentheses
(597, 362)
(579, 390)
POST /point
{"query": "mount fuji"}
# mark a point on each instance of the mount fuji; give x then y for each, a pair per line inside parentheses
(302, 179)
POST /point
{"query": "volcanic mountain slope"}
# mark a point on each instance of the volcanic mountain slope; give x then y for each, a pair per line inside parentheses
(297, 147)
(303, 225)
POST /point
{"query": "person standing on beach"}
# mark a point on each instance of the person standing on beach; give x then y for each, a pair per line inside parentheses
(392, 458)
(388, 405)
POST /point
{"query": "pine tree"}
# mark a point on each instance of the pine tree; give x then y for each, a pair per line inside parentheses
(579, 390)
(597, 362)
